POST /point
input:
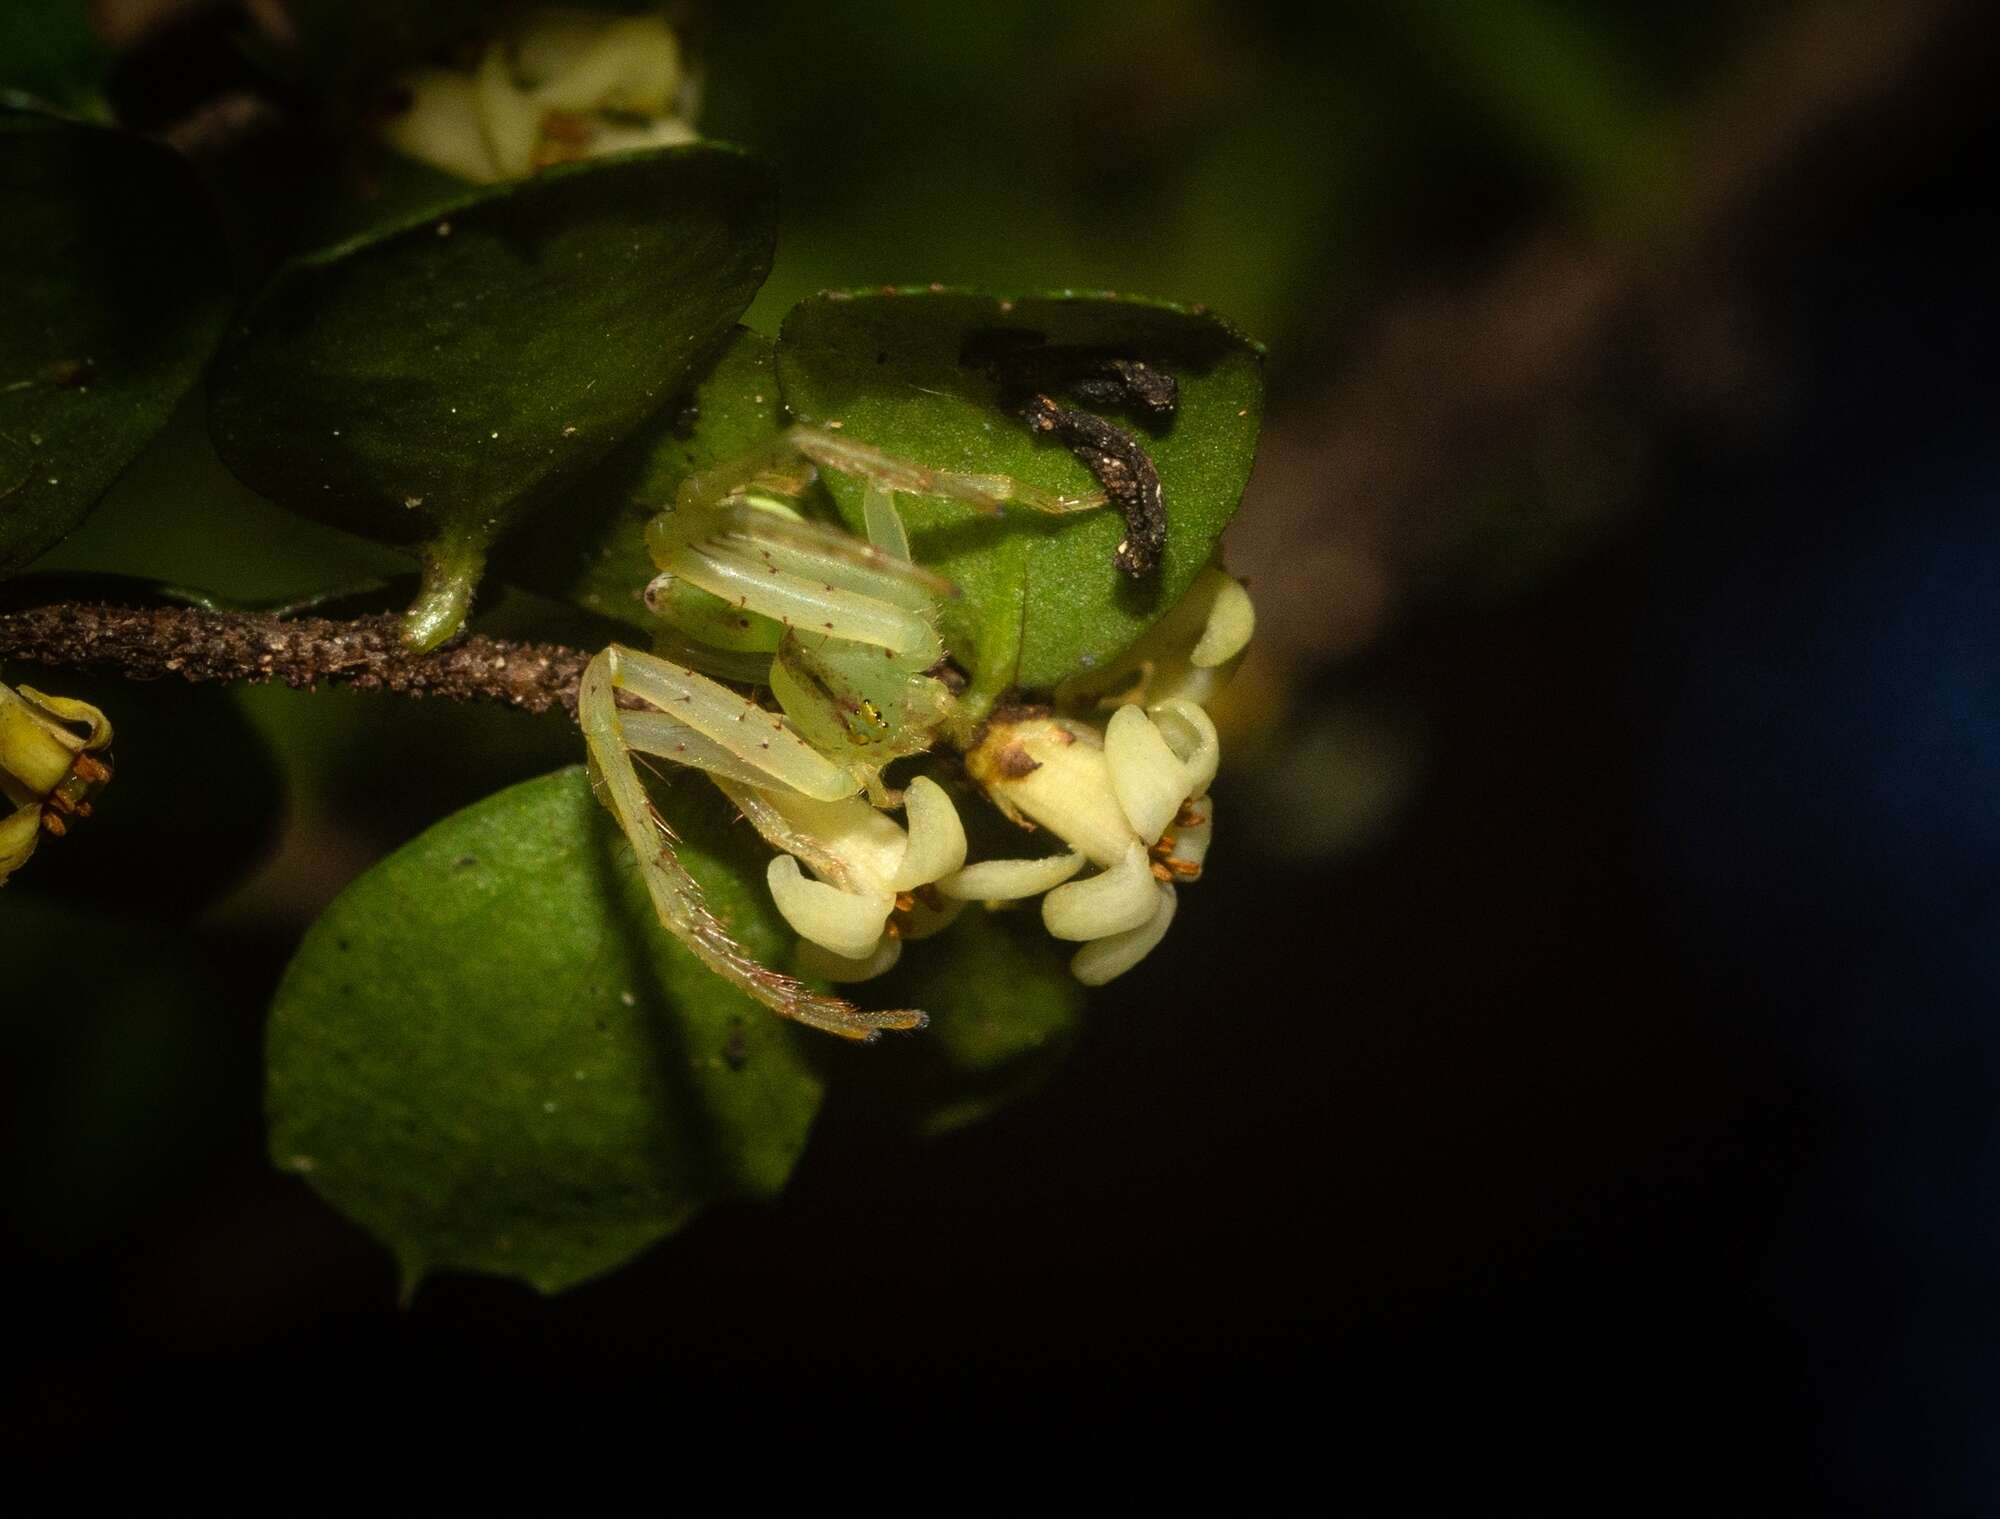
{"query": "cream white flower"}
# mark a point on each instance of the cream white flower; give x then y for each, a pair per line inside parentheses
(1127, 793)
(1122, 799)
(564, 85)
(867, 888)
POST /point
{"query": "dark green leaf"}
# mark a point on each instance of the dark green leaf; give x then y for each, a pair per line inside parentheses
(590, 548)
(114, 298)
(1005, 1012)
(489, 1054)
(1042, 598)
(433, 384)
(49, 53)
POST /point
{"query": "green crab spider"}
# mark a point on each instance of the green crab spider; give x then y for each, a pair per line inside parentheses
(843, 633)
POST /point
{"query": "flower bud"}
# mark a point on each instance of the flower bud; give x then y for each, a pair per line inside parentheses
(49, 771)
(1052, 771)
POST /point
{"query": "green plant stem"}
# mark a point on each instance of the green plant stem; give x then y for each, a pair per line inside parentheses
(452, 567)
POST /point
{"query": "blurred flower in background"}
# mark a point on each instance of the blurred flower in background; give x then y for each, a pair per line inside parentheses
(555, 86)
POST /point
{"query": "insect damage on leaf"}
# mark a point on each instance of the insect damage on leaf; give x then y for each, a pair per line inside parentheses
(1027, 368)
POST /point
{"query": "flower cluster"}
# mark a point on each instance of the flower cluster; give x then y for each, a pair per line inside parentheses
(49, 771)
(1118, 771)
(564, 85)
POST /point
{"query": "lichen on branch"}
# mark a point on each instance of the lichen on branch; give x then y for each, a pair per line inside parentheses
(362, 653)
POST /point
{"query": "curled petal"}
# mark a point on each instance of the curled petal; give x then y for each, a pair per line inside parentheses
(823, 964)
(1191, 734)
(1231, 621)
(1148, 778)
(937, 838)
(1102, 960)
(511, 122)
(20, 832)
(848, 923)
(1010, 880)
(1110, 902)
(442, 125)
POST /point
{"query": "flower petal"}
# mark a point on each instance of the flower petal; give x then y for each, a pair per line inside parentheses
(848, 923)
(1010, 880)
(1231, 621)
(937, 837)
(1110, 902)
(511, 121)
(1102, 960)
(1191, 734)
(1148, 778)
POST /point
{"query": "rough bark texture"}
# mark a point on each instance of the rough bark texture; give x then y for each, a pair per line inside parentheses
(362, 653)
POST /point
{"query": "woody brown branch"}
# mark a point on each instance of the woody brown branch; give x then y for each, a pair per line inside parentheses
(362, 653)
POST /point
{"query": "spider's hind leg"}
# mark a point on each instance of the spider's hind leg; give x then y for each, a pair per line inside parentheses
(613, 735)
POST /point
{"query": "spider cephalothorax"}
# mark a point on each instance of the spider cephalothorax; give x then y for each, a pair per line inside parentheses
(843, 633)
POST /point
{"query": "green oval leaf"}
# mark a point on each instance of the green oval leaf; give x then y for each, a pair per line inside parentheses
(435, 383)
(1042, 598)
(590, 548)
(112, 270)
(489, 1054)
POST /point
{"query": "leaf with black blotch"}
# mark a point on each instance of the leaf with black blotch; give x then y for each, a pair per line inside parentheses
(1042, 598)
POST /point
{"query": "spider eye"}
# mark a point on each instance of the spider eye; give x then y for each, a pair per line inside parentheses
(867, 723)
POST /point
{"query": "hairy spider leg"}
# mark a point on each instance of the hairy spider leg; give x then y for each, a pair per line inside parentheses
(802, 575)
(989, 493)
(677, 897)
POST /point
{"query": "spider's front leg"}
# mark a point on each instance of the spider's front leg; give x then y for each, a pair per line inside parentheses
(790, 462)
(694, 721)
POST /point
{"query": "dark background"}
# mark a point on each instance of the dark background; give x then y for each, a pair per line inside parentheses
(1576, 1073)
